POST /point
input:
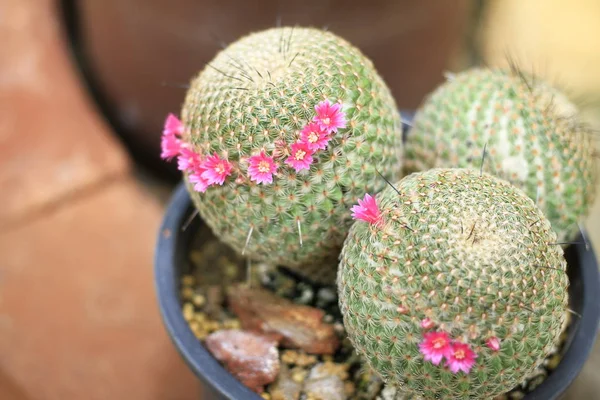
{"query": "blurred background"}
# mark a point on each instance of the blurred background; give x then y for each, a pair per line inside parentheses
(84, 89)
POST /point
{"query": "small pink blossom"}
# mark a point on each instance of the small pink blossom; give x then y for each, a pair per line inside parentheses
(330, 117)
(315, 136)
(170, 144)
(200, 183)
(427, 323)
(493, 343)
(173, 126)
(435, 346)
(367, 210)
(460, 358)
(261, 168)
(188, 160)
(216, 169)
(300, 156)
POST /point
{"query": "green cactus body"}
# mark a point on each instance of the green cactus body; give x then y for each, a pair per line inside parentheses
(532, 135)
(456, 254)
(257, 95)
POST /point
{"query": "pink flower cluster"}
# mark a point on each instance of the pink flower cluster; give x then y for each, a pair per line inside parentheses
(213, 170)
(437, 345)
(204, 172)
(316, 134)
(459, 356)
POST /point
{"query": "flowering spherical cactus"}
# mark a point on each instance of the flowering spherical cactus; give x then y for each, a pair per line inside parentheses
(280, 133)
(531, 133)
(452, 285)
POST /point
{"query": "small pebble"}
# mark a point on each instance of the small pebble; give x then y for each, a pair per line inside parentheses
(231, 324)
(188, 280)
(198, 300)
(306, 297)
(349, 388)
(324, 383)
(201, 335)
(252, 358)
(187, 293)
(200, 317)
(327, 295)
(299, 375)
(554, 361)
(194, 326)
(265, 396)
(188, 311)
(231, 270)
(339, 370)
(339, 328)
(305, 360)
(213, 326)
(289, 357)
(285, 388)
(517, 395)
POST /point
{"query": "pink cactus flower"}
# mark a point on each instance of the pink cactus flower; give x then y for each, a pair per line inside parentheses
(493, 343)
(261, 168)
(173, 126)
(300, 156)
(427, 323)
(367, 210)
(216, 169)
(188, 160)
(170, 144)
(195, 177)
(435, 346)
(460, 358)
(316, 137)
(330, 117)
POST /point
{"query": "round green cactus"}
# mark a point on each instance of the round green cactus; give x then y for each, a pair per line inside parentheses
(453, 286)
(530, 130)
(252, 113)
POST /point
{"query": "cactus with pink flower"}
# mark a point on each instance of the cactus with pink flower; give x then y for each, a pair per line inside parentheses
(452, 285)
(279, 135)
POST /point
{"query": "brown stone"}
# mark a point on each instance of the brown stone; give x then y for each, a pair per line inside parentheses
(249, 356)
(299, 326)
(78, 312)
(53, 142)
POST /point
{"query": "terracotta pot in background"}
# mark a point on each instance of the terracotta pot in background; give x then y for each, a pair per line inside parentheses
(131, 46)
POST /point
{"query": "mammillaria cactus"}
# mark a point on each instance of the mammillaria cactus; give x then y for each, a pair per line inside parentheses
(531, 132)
(279, 135)
(452, 285)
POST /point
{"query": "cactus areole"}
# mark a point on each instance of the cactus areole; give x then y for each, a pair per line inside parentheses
(452, 285)
(280, 134)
